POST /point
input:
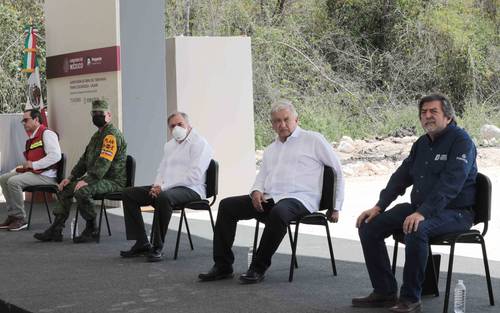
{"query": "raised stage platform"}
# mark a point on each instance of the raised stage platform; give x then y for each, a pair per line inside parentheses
(66, 277)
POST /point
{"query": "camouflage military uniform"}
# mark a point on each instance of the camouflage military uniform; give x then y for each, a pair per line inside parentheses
(102, 167)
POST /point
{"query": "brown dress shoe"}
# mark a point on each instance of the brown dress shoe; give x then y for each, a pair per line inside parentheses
(374, 300)
(403, 306)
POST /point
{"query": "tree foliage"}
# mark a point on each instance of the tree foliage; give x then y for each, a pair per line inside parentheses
(14, 16)
(352, 67)
(357, 67)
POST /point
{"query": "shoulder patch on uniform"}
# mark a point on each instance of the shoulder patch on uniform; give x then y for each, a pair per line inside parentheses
(108, 150)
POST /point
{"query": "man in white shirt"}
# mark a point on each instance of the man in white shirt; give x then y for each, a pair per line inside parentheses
(180, 179)
(287, 187)
(42, 154)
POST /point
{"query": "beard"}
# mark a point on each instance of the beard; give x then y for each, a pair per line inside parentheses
(429, 125)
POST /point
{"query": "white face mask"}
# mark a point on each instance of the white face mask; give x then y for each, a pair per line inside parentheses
(179, 133)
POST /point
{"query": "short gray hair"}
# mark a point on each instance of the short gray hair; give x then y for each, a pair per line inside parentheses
(184, 115)
(283, 104)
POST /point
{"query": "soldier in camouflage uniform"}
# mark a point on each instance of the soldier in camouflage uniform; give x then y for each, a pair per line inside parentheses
(101, 169)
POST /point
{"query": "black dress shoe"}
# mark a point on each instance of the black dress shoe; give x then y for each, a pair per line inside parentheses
(251, 277)
(136, 250)
(216, 273)
(155, 255)
(374, 300)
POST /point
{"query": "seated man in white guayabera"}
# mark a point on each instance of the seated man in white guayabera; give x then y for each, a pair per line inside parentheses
(180, 179)
(288, 187)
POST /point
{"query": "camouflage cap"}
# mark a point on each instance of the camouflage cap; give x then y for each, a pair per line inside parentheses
(100, 105)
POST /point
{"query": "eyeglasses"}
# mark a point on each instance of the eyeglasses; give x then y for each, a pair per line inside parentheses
(25, 120)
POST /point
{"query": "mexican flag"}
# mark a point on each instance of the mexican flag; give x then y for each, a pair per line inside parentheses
(34, 99)
(29, 56)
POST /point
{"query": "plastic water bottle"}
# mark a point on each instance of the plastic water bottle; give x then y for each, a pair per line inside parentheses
(460, 292)
(250, 255)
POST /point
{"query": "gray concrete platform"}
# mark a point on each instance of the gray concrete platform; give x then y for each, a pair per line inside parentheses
(66, 277)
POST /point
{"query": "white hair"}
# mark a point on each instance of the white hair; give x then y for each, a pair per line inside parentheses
(184, 115)
(283, 104)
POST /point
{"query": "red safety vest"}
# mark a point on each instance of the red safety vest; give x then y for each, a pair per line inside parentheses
(34, 150)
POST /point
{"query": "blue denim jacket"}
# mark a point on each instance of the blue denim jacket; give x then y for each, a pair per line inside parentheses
(443, 173)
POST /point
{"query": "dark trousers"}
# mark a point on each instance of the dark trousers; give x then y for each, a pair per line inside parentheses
(276, 217)
(164, 203)
(372, 237)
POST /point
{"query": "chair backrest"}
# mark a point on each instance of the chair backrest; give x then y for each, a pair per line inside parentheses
(212, 179)
(482, 208)
(328, 191)
(130, 168)
(61, 168)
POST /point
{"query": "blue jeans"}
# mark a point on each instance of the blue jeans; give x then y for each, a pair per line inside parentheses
(372, 237)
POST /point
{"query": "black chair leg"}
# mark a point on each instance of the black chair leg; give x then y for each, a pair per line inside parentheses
(107, 221)
(395, 257)
(152, 233)
(294, 249)
(183, 215)
(76, 222)
(332, 257)
(291, 243)
(31, 209)
(47, 206)
(434, 271)
(100, 222)
(448, 278)
(255, 239)
(178, 238)
(487, 271)
(211, 219)
(156, 230)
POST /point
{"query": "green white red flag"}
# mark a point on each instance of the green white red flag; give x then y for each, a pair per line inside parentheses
(29, 56)
(34, 99)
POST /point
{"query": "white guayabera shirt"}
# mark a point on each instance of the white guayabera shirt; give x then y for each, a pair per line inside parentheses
(185, 164)
(294, 169)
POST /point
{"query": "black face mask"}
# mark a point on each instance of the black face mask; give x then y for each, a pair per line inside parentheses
(99, 120)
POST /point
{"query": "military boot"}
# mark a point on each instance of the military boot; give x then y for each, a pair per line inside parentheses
(54, 232)
(89, 234)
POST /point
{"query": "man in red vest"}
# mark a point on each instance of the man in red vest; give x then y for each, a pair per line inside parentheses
(42, 154)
